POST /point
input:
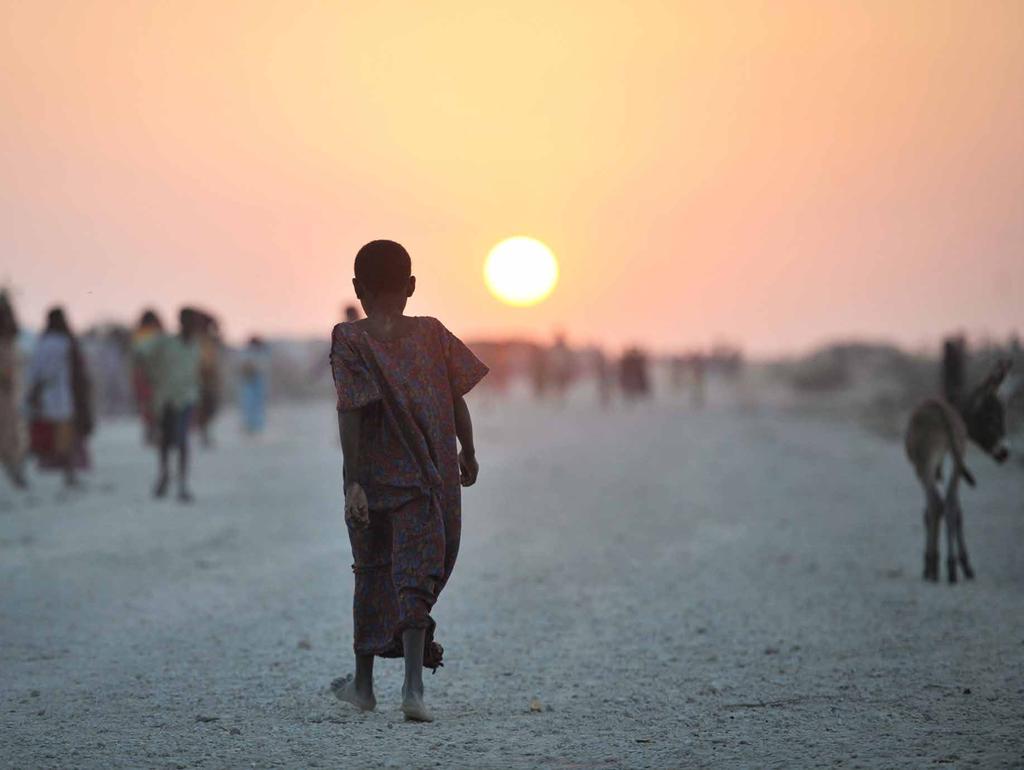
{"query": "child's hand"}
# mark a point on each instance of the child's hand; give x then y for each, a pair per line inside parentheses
(468, 468)
(357, 511)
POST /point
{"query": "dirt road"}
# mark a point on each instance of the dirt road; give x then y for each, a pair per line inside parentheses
(675, 589)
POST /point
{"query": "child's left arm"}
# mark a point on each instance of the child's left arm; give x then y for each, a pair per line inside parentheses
(468, 466)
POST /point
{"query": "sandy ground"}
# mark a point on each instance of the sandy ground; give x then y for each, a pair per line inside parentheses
(676, 589)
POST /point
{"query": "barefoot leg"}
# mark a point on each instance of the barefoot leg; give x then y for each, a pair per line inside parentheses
(413, 706)
(357, 690)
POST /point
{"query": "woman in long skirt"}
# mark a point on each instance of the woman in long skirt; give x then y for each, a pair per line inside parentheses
(59, 400)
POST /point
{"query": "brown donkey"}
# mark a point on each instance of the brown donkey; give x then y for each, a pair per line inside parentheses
(937, 428)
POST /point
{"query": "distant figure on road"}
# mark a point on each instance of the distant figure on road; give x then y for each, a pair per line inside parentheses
(954, 369)
(604, 374)
(561, 368)
(633, 377)
(699, 367)
(11, 453)
(678, 374)
(172, 364)
(148, 328)
(108, 350)
(59, 400)
(210, 381)
(400, 383)
(253, 396)
(540, 372)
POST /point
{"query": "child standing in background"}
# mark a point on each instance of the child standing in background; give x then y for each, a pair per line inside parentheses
(400, 382)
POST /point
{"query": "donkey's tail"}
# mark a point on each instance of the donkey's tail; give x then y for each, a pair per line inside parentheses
(958, 459)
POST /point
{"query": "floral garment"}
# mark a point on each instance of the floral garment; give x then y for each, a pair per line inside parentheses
(409, 469)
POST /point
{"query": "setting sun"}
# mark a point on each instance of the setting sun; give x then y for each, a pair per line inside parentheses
(521, 271)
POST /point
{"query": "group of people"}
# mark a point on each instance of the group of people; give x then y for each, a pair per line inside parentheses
(175, 378)
(553, 371)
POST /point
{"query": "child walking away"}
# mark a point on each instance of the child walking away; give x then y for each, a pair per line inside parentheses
(172, 366)
(400, 382)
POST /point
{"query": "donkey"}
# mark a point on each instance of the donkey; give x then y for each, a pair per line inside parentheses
(937, 428)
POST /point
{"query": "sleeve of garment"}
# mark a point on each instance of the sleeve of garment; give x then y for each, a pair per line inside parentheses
(34, 370)
(465, 370)
(353, 381)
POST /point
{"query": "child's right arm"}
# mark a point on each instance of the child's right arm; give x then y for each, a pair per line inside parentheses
(357, 512)
(468, 466)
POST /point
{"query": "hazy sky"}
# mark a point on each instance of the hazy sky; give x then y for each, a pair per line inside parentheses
(771, 173)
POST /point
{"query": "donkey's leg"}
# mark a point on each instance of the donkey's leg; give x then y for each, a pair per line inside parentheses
(958, 513)
(951, 510)
(932, 514)
(950, 544)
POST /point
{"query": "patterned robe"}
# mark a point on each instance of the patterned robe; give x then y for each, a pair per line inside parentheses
(405, 389)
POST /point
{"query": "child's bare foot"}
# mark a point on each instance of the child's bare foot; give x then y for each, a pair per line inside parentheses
(414, 708)
(344, 689)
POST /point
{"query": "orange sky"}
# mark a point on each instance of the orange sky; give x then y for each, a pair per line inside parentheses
(775, 174)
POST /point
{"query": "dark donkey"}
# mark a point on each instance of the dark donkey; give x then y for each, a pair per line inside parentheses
(941, 426)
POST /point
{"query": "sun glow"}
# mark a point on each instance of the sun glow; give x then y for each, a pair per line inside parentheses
(521, 271)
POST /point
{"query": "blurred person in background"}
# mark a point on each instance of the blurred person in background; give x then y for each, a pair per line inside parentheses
(540, 374)
(172, 365)
(561, 368)
(11, 455)
(59, 397)
(254, 371)
(677, 373)
(209, 374)
(111, 367)
(605, 379)
(699, 374)
(148, 329)
(633, 376)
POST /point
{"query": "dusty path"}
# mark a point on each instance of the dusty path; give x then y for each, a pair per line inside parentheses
(676, 589)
